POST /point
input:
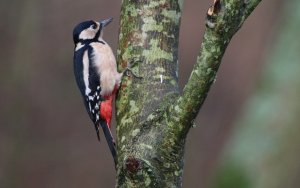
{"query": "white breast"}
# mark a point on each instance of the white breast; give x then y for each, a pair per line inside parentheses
(105, 63)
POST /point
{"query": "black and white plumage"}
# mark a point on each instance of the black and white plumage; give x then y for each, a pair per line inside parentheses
(96, 75)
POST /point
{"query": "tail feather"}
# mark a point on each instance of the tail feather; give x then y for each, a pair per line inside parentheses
(97, 131)
(110, 140)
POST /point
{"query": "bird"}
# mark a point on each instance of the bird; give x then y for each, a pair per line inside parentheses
(96, 75)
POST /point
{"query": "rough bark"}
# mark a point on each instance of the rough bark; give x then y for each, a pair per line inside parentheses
(153, 118)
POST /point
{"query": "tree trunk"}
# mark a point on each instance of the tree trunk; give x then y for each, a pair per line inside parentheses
(153, 118)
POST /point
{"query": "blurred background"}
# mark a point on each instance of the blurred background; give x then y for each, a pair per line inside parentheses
(247, 131)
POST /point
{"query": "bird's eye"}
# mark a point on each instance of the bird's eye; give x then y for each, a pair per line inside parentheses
(94, 26)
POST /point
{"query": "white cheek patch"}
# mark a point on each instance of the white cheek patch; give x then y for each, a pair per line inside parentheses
(88, 33)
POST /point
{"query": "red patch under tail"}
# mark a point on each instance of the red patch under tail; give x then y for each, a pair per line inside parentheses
(106, 109)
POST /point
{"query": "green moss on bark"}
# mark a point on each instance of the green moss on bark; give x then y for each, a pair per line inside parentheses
(152, 119)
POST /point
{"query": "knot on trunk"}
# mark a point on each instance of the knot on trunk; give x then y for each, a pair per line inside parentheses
(132, 165)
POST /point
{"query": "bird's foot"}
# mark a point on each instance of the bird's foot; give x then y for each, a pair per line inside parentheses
(129, 72)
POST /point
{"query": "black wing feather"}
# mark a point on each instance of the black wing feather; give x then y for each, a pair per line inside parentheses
(93, 99)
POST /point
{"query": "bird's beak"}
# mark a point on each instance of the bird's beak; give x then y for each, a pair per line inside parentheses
(106, 22)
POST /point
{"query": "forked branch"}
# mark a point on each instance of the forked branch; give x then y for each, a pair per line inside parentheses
(153, 119)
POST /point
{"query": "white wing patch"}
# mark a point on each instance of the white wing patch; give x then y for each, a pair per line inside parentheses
(86, 73)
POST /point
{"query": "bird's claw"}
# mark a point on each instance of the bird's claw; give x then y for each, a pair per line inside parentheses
(128, 69)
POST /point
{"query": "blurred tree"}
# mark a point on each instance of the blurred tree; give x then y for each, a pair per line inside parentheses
(152, 118)
(264, 151)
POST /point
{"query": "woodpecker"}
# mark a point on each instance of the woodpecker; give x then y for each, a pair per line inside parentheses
(96, 75)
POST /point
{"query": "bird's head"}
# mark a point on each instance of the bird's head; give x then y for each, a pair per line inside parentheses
(89, 30)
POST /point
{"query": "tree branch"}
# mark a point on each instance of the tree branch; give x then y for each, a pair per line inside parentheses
(224, 19)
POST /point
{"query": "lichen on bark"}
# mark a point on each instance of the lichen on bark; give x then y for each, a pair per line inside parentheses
(153, 119)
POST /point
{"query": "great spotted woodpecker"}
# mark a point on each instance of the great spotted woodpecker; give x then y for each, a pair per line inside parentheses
(96, 75)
